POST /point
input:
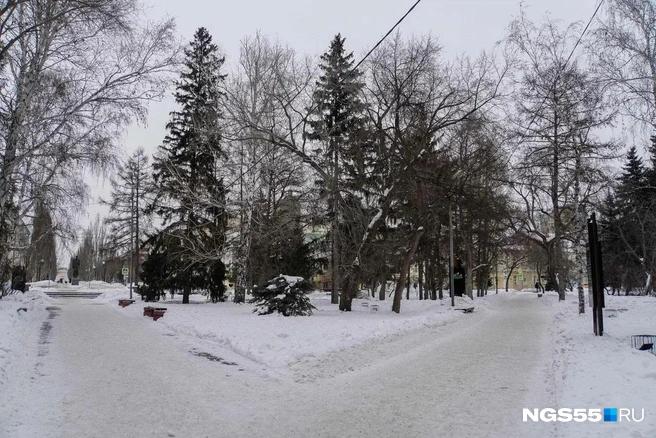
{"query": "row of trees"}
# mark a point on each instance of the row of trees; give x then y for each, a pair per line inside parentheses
(360, 165)
(374, 156)
(73, 75)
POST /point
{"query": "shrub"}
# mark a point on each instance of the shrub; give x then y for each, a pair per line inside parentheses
(283, 294)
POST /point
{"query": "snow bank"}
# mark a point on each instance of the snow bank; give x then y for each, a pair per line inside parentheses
(604, 372)
(21, 316)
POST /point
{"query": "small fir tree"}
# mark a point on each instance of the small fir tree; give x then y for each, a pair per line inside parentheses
(285, 295)
(633, 181)
(215, 281)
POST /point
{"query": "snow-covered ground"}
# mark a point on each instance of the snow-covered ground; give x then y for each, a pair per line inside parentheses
(20, 319)
(73, 367)
(604, 372)
(279, 342)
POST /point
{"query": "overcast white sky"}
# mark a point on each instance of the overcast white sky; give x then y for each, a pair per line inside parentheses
(461, 26)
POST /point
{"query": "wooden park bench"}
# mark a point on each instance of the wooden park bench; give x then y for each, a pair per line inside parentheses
(125, 303)
(374, 307)
(365, 304)
(466, 309)
(158, 312)
(148, 311)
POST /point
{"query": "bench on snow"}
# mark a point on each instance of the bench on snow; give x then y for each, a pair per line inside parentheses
(154, 312)
(158, 312)
(465, 309)
(372, 307)
(125, 303)
(644, 342)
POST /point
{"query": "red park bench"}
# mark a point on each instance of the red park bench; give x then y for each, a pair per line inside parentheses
(154, 312)
(125, 303)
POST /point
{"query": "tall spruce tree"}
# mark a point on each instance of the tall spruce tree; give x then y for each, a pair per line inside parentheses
(337, 125)
(191, 195)
(622, 270)
(629, 227)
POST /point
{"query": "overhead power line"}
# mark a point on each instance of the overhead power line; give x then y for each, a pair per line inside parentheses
(353, 70)
(569, 57)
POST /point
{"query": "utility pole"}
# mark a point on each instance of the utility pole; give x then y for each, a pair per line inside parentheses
(451, 282)
(136, 234)
(131, 274)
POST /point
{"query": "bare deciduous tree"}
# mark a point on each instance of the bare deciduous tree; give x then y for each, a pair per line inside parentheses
(80, 71)
(559, 112)
(623, 52)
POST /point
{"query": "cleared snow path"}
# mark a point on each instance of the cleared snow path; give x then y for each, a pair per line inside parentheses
(106, 375)
(469, 378)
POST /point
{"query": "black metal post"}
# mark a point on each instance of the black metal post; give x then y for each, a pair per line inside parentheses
(597, 285)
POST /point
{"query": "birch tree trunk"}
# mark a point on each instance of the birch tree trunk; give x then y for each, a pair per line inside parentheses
(579, 247)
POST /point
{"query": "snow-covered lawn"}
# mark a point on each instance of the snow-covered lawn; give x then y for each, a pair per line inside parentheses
(278, 342)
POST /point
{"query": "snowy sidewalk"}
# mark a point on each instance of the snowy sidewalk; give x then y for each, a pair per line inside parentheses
(469, 378)
(108, 375)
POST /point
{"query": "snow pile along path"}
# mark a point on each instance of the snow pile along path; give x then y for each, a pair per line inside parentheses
(20, 317)
(604, 372)
(26, 323)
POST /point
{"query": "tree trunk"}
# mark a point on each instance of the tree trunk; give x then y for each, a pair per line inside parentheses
(469, 281)
(581, 263)
(430, 279)
(421, 280)
(396, 307)
(349, 292)
(335, 229)
(407, 296)
(512, 268)
(185, 294)
(555, 194)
